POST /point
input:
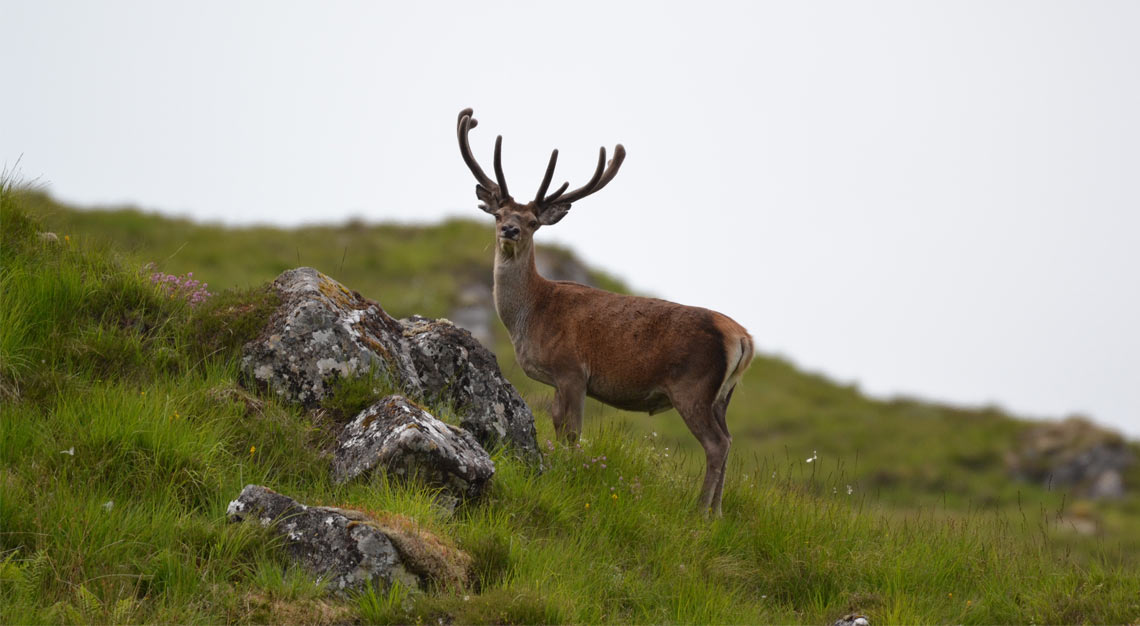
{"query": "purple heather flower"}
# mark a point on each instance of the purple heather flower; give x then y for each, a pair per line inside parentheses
(184, 287)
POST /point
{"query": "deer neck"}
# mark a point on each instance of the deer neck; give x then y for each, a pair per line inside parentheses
(517, 285)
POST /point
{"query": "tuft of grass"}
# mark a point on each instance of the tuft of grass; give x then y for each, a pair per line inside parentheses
(383, 607)
(349, 396)
(225, 322)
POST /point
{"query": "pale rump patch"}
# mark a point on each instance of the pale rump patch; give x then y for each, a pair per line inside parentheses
(738, 355)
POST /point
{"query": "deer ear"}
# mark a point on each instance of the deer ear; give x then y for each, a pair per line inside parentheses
(552, 213)
(489, 202)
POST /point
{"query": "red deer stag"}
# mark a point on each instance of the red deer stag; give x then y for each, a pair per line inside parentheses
(633, 353)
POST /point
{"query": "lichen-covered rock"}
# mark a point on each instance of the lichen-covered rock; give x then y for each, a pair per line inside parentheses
(322, 331)
(351, 550)
(405, 440)
(455, 368)
(331, 543)
(1073, 453)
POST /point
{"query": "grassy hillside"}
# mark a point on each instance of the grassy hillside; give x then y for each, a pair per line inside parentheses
(124, 437)
(903, 452)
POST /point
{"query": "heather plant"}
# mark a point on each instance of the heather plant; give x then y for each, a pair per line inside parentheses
(184, 287)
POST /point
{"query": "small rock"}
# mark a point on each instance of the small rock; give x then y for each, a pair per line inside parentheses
(1079, 524)
(852, 619)
(406, 441)
(1109, 485)
(350, 549)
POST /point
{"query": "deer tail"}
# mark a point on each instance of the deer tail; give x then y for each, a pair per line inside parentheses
(739, 353)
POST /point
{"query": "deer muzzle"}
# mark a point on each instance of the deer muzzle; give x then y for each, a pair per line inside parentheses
(509, 231)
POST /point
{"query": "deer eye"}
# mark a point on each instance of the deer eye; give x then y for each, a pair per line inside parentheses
(534, 223)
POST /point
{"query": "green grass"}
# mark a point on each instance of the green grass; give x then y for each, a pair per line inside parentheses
(903, 453)
(141, 388)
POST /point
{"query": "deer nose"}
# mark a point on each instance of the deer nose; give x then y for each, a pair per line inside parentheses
(510, 231)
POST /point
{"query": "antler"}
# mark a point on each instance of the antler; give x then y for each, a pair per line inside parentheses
(603, 174)
(466, 123)
(546, 179)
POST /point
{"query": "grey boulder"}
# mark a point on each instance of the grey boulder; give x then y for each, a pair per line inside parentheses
(455, 369)
(1076, 454)
(322, 331)
(405, 441)
(350, 550)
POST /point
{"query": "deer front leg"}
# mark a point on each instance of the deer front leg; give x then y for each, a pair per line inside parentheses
(569, 399)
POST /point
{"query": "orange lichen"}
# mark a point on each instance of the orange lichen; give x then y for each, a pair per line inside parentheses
(431, 556)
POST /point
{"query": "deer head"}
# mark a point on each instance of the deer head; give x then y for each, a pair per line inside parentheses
(517, 222)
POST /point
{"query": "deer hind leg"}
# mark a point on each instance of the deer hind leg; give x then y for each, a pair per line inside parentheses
(720, 408)
(569, 400)
(702, 420)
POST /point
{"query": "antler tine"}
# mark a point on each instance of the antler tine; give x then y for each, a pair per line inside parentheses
(574, 195)
(466, 123)
(612, 170)
(470, 113)
(547, 177)
(590, 187)
(557, 193)
(499, 167)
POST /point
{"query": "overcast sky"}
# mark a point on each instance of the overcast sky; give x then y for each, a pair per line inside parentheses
(940, 200)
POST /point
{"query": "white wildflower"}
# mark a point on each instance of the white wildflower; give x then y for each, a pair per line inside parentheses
(814, 456)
